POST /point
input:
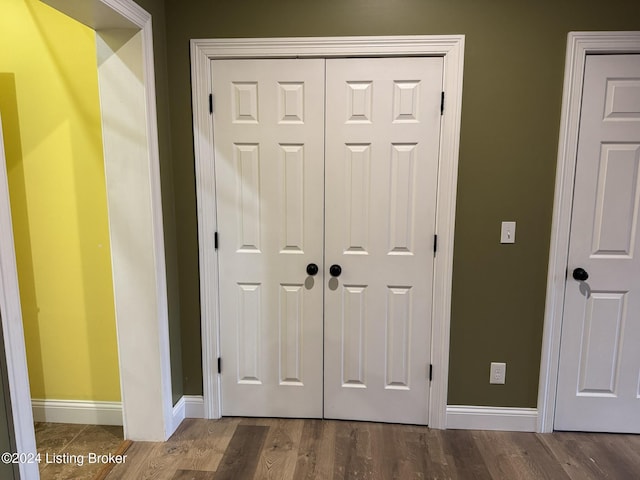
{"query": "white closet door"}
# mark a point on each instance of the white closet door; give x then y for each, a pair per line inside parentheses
(382, 143)
(599, 373)
(269, 148)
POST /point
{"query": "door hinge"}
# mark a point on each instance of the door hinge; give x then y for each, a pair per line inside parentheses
(442, 104)
(219, 365)
(435, 244)
(215, 240)
(211, 103)
(430, 372)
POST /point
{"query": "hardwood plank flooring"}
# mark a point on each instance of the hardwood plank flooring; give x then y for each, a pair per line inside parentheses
(280, 451)
(515, 455)
(464, 455)
(192, 475)
(254, 448)
(243, 453)
(316, 453)
(74, 440)
(204, 443)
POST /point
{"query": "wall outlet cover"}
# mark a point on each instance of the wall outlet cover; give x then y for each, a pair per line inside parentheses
(498, 373)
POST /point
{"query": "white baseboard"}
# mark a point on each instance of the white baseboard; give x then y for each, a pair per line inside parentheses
(77, 411)
(189, 406)
(178, 414)
(511, 419)
(194, 406)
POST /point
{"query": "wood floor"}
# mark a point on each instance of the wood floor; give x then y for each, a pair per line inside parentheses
(55, 439)
(239, 449)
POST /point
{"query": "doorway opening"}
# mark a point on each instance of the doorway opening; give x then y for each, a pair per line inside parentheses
(139, 280)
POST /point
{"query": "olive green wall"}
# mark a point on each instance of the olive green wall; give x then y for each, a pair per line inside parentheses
(514, 64)
(157, 11)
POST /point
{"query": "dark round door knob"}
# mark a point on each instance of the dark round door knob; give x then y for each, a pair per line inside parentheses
(312, 269)
(335, 270)
(580, 274)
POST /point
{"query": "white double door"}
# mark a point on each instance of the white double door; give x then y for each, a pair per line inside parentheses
(328, 163)
(599, 373)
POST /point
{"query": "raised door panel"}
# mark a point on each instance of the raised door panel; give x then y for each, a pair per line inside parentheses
(353, 336)
(602, 337)
(616, 199)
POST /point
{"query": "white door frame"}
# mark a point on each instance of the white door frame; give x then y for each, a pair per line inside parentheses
(139, 281)
(579, 45)
(16, 356)
(203, 51)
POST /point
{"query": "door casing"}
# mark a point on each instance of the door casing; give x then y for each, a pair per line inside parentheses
(579, 45)
(203, 51)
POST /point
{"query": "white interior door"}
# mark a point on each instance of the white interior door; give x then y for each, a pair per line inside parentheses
(382, 142)
(269, 148)
(372, 213)
(599, 372)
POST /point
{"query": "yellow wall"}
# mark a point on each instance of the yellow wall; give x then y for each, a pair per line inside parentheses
(51, 117)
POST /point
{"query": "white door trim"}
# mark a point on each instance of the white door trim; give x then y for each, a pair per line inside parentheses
(11, 313)
(451, 48)
(579, 45)
(135, 211)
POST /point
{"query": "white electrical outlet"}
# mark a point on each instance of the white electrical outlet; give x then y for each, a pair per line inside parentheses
(498, 373)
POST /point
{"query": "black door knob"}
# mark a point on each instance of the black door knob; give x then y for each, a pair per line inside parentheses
(580, 274)
(312, 269)
(335, 270)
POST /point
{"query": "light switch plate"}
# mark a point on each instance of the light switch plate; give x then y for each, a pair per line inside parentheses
(508, 232)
